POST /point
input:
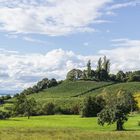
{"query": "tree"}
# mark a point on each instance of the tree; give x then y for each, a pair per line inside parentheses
(30, 106)
(19, 108)
(103, 75)
(92, 106)
(49, 109)
(99, 66)
(84, 76)
(89, 71)
(52, 83)
(117, 108)
(106, 64)
(24, 106)
(112, 77)
(4, 115)
(74, 74)
(120, 76)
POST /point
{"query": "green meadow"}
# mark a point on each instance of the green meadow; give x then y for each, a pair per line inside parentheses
(65, 127)
(69, 127)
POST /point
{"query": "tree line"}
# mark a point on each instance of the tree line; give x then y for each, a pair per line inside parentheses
(102, 73)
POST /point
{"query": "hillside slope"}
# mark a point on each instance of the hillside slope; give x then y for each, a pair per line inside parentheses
(132, 87)
(76, 90)
(71, 89)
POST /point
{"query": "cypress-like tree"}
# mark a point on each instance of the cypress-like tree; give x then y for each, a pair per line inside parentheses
(89, 71)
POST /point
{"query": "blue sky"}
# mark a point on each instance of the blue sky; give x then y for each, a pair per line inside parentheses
(46, 38)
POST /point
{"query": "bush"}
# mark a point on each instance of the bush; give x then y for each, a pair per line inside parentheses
(48, 109)
(92, 106)
(75, 109)
(138, 123)
(4, 115)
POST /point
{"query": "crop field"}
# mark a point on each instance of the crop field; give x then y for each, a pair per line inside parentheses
(66, 128)
(71, 89)
(132, 87)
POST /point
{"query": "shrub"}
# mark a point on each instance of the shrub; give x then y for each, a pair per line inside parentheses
(92, 106)
(48, 109)
(138, 123)
(75, 109)
(4, 115)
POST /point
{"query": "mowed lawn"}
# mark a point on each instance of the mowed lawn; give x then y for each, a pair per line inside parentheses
(65, 127)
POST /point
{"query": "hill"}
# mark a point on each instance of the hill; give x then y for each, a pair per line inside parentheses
(70, 92)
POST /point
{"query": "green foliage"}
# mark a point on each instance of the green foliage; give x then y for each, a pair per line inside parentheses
(69, 89)
(48, 109)
(4, 98)
(41, 85)
(89, 71)
(4, 115)
(24, 106)
(74, 74)
(120, 76)
(92, 106)
(138, 123)
(117, 108)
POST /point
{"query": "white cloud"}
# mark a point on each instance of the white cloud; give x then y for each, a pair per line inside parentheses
(18, 71)
(51, 17)
(122, 42)
(125, 4)
(34, 40)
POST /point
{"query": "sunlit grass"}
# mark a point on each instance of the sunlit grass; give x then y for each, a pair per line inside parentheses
(66, 128)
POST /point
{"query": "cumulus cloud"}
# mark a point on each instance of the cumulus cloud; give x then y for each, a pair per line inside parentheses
(18, 71)
(51, 17)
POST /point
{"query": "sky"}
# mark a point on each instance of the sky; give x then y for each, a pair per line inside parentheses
(47, 38)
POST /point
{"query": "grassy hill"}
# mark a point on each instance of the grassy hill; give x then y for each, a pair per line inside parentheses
(69, 94)
(72, 92)
(132, 87)
(71, 89)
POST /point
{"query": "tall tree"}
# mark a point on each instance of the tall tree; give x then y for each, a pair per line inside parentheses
(106, 64)
(24, 106)
(117, 108)
(99, 66)
(89, 71)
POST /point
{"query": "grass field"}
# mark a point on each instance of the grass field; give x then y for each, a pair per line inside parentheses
(65, 128)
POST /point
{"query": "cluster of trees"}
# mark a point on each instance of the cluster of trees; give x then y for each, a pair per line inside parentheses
(24, 106)
(126, 76)
(4, 98)
(41, 85)
(110, 108)
(102, 73)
